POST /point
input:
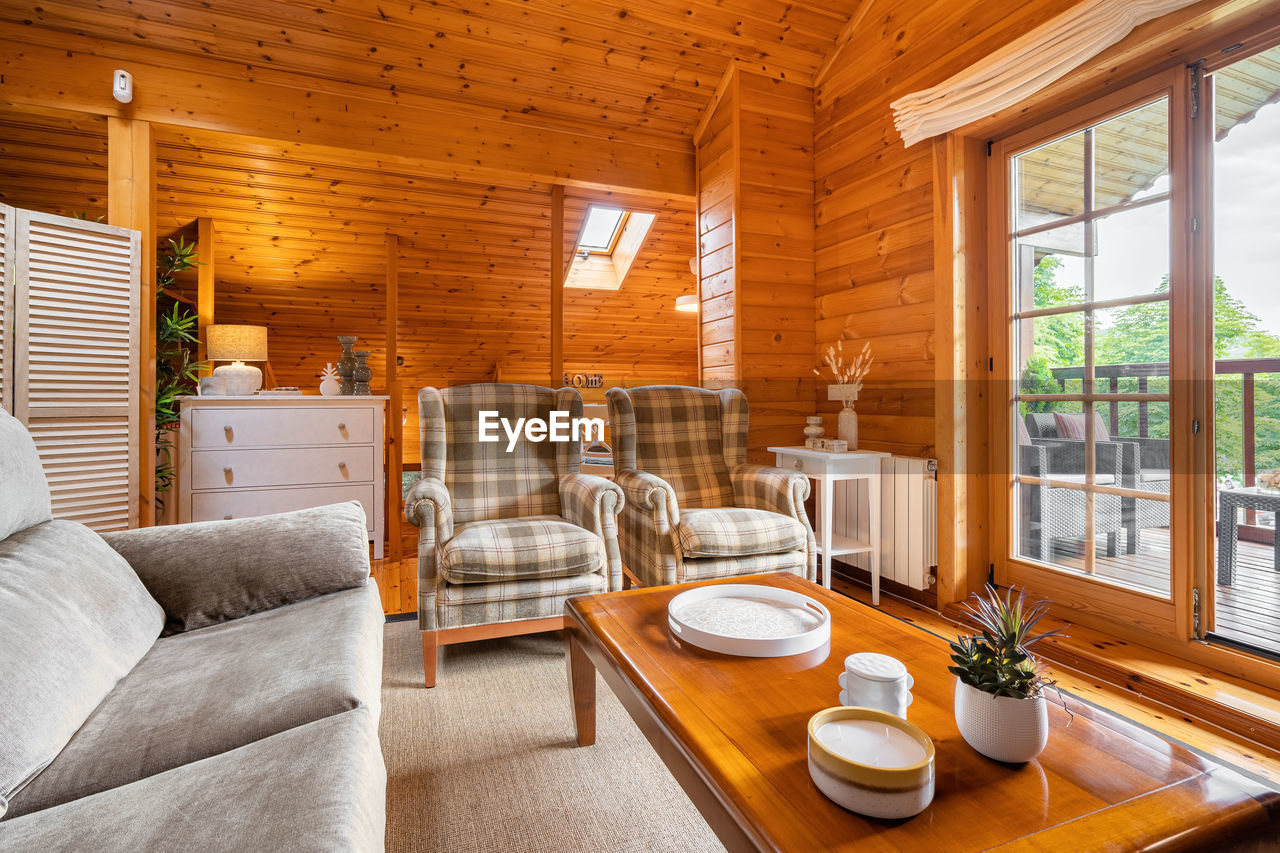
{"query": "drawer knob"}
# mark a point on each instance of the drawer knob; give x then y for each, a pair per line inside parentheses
(798, 464)
(342, 427)
(228, 430)
(342, 465)
(226, 518)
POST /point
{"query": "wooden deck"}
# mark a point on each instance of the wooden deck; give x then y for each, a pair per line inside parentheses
(1247, 611)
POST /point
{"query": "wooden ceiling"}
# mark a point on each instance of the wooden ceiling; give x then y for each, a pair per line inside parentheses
(592, 93)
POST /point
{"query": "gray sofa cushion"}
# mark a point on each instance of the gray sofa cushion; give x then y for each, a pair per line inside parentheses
(74, 619)
(213, 571)
(319, 787)
(24, 494)
(205, 692)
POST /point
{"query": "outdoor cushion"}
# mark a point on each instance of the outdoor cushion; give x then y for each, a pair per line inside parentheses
(24, 494)
(1072, 426)
(318, 787)
(213, 571)
(1155, 475)
(543, 546)
(74, 620)
(205, 692)
(737, 532)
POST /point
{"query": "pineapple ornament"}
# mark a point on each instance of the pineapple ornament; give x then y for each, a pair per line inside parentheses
(329, 384)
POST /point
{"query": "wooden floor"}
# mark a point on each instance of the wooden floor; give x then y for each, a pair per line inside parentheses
(1248, 611)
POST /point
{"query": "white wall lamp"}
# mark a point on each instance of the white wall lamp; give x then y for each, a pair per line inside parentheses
(688, 303)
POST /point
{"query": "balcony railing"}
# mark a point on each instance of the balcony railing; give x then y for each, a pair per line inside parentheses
(1246, 368)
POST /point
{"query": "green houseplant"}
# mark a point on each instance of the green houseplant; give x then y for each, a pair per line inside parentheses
(176, 371)
(1000, 702)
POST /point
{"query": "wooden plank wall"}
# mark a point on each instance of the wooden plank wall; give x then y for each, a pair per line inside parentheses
(874, 201)
(54, 164)
(775, 231)
(301, 248)
(756, 238)
(717, 207)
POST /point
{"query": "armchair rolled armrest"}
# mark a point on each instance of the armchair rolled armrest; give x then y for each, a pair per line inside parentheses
(593, 503)
(651, 493)
(214, 571)
(774, 489)
(429, 508)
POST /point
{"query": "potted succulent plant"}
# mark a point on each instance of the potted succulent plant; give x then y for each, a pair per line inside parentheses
(1000, 701)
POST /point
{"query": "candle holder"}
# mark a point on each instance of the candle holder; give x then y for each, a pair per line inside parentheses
(871, 762)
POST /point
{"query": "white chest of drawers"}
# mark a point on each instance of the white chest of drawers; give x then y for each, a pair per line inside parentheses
(245, 456)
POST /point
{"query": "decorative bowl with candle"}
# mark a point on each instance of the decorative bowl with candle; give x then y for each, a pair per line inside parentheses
(871, 762)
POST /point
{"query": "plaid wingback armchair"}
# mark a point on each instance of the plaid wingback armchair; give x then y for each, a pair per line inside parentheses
(504, 537)
(694, 507)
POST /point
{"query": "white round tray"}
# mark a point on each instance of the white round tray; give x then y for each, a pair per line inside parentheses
(749, 620)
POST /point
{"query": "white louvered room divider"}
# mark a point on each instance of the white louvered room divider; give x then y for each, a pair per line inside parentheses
(69, 363)
(908, 519)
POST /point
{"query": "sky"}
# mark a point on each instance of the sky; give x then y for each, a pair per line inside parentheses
(1133, 250)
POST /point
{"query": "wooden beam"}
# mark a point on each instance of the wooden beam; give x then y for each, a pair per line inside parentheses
(557, 286)
(395, 406)
(68, 71)
(206, 235)
(131, 203)
(843, 38)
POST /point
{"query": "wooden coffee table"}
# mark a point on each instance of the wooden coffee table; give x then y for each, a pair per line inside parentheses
(732, 730)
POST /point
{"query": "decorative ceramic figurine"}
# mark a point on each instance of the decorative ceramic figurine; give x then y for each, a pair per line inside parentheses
(362, 373)
(329, 384)
(346, 364)
(814, 428)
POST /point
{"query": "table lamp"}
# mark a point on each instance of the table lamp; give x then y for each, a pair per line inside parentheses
(237, 344)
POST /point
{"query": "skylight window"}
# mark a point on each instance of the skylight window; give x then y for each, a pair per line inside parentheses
(600, 231)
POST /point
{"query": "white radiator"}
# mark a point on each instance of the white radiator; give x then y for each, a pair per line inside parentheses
(908, 519)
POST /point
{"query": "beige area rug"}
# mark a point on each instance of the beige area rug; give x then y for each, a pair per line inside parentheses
(486, 761)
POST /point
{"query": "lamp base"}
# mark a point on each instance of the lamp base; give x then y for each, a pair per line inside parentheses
(242, 379)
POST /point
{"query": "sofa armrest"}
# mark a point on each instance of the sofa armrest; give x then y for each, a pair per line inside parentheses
(774, 489)
(429, 508)
(652, 494)
(214, 571)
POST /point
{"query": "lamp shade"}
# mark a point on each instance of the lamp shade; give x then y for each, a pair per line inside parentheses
(236, 343)
(688, 302)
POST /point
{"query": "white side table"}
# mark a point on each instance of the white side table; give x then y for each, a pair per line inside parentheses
(827, 468)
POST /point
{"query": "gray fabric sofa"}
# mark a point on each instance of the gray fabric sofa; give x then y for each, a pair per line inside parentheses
(206, 687)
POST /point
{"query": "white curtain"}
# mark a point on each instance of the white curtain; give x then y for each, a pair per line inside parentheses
(1024, 66)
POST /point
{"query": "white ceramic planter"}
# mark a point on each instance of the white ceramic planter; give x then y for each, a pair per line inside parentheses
(1001, 727)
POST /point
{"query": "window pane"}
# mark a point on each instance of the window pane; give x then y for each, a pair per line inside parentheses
(1051, 354)
(1050, 268)
(1050, 181)
(1131, 155)
(1131, 343)
(1131, 252)
(597, 233)
(1246, 174)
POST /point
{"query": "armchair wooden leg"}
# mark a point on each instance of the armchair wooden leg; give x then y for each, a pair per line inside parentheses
(430, 650)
